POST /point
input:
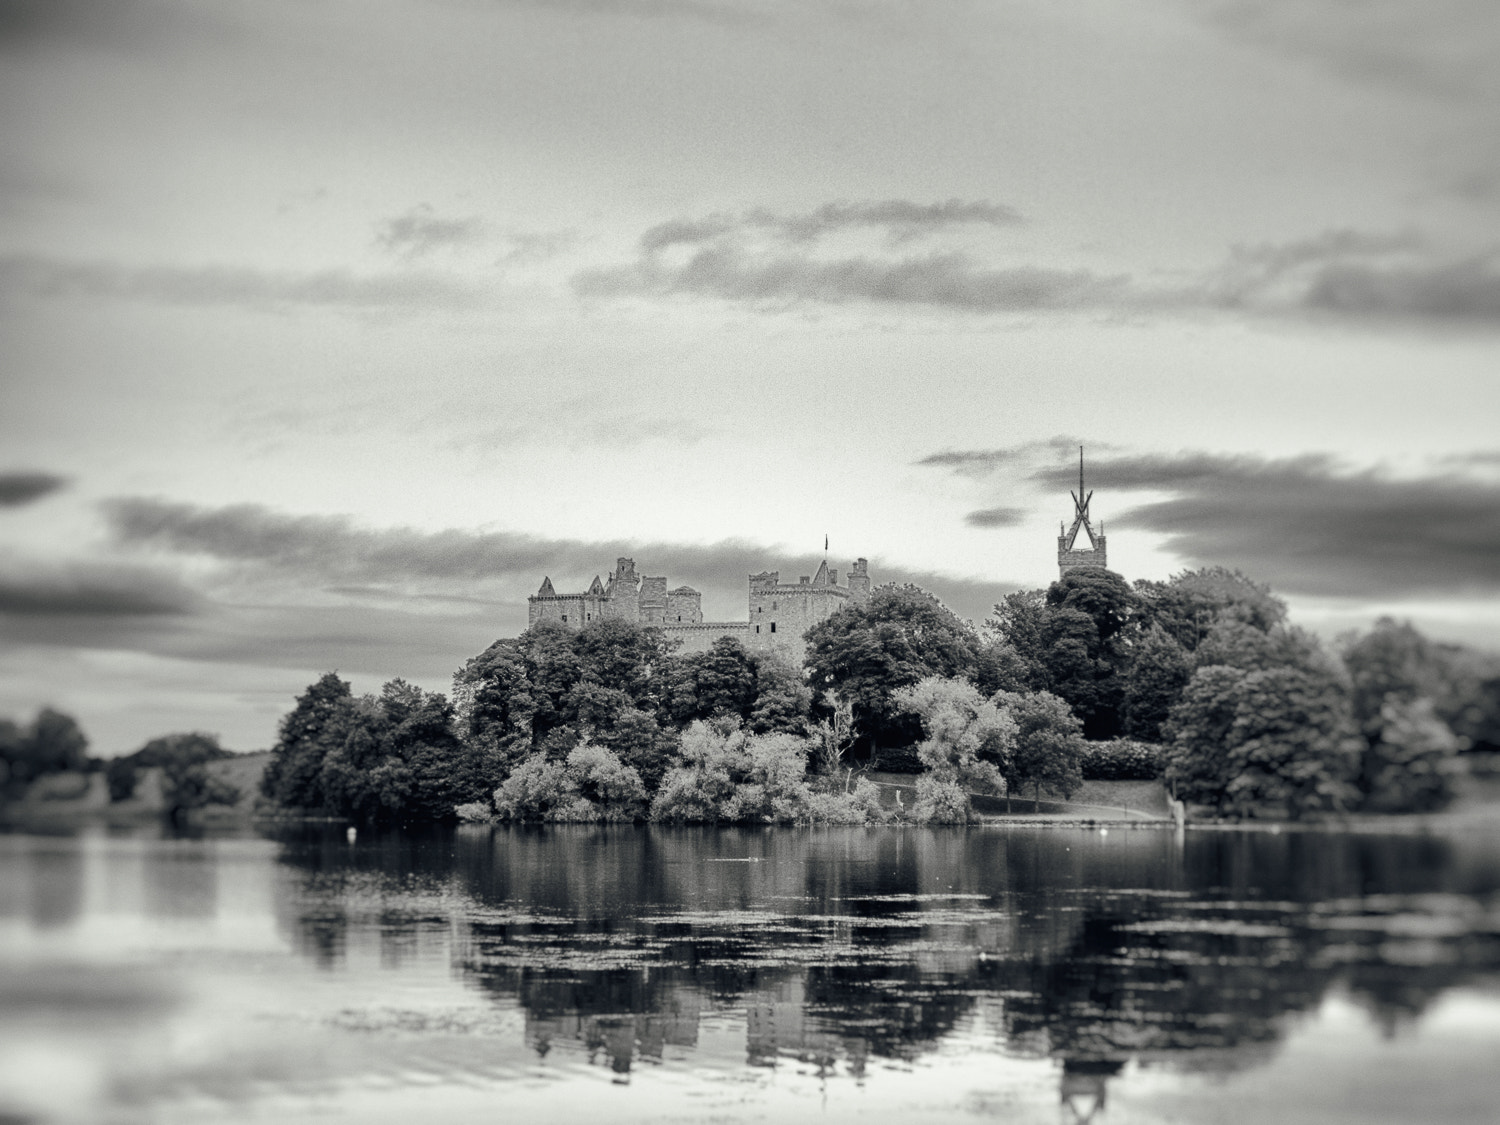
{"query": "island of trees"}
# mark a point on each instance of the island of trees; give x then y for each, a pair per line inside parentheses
(1199, 681)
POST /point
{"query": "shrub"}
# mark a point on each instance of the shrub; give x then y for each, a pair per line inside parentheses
(966, 736)
(940, 801)
(729, 775)
(861, 805)
(592, 785)
(533, 790)
(1122, 759)
(475, 812)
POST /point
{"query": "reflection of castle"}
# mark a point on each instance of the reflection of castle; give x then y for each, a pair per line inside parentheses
(780, 614)
(619, 1036)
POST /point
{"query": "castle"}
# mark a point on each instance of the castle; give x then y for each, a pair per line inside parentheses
(780, 614)
(1070, 556)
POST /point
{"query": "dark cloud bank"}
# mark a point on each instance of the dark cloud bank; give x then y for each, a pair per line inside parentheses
(1307, 525)
(19, 488)
(332, 550)
(319, 592)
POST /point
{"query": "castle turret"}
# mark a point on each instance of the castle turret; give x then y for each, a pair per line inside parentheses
(859, 582)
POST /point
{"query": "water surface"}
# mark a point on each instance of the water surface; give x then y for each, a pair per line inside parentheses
(1025, 974)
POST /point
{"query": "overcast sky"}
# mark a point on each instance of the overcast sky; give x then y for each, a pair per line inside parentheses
(327, 329)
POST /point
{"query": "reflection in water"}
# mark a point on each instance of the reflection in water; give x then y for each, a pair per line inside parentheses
(189, 979)
(836, 947)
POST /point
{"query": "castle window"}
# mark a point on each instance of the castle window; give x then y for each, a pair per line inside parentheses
(565, 617)
(773, 605)
(757, 628)
(773, 626)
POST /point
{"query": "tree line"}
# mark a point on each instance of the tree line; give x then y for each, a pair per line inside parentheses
(53, 745)
(1199, 680)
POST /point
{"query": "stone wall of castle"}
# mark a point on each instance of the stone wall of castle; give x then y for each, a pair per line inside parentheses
(779, 614)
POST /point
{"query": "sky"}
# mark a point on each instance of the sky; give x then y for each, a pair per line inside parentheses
(329, 327)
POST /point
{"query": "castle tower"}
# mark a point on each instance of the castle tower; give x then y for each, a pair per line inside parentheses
(859, 582)
(1070, 554)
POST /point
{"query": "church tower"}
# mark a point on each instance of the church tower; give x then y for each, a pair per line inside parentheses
(1071, 554)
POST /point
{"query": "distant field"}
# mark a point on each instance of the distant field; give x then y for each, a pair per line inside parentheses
(1127, 800)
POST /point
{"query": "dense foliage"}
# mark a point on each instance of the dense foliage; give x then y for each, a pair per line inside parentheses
(51, 743)
(969, 743)
(1198, 680)
(868, 653)
(1121, 759)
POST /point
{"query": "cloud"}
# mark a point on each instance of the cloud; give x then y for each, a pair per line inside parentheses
(943, 280)
(1360, 274)
(1441, 48)
(331, 553)
(419, 231)
(18, 488)
(113, 23)
(902, 219)
(90, 590)
(1466, 290)
(1307, 525)
(537, 246)
(983, 462)
(1341, 274)
(232, 285)
(997, 517)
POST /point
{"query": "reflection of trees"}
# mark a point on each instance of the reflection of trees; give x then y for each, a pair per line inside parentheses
(843, 945)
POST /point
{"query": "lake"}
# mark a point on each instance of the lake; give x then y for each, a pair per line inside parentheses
(645, 973)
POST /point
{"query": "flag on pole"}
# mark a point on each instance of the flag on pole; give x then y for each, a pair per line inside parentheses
(825, 544)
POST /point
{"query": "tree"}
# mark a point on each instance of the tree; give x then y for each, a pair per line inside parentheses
(51, 743)
(1200, 763)
(1234, 644)
(835, 733)
(968, 745)
(1275, 741)
(869, 652)
(1020, 623)
(1049, 744)
(626, 656)
(1409, 765)
(494, 705)
(1103, 595)
(1391, 664)
(721, 681)
(1159, 670)
(186, 783)
(1189, 604)
(1092, 612)
(402, 760)
(782, 696)
(321, 721)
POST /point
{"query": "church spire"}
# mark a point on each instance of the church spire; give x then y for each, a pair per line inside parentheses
(1070, 555)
